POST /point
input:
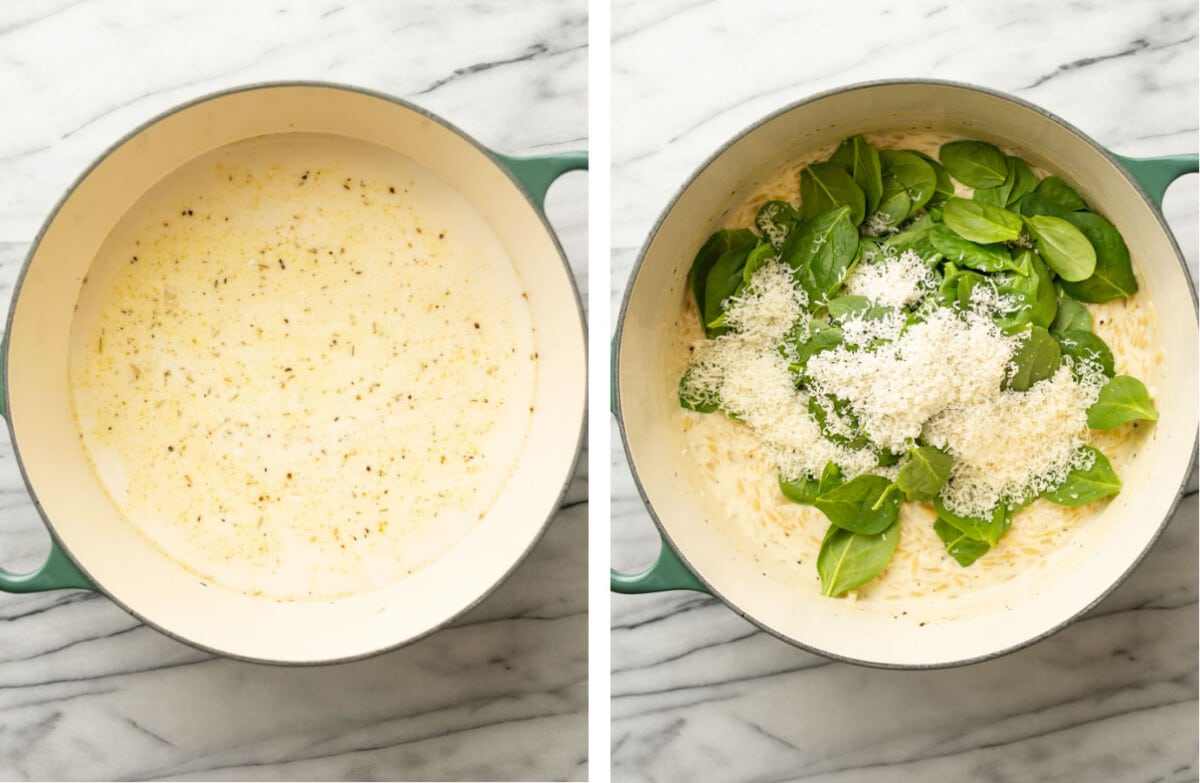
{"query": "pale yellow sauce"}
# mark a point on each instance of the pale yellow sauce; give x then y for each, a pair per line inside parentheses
(303, 366)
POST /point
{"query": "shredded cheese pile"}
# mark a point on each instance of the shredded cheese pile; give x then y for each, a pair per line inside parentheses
(939, 380)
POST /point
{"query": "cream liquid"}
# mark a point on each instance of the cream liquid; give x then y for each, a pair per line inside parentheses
(303, 366)
(738, 478)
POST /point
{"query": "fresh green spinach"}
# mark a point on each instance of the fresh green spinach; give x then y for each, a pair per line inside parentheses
(848, 560)
(1059, 192)
(1036, 360)
(1072, 317)
(1113, 276)
(826, 186)
(865, 504)
(980, 222)
(974, 163)
(807, 489)
(1086, 486)
(1083, 346)
(913, 173)
(861, 161)
(724, 280)
(989, 530)
(696, 398)
(1122, 399)
(964, 549)
(1063, 246)
(822, 253)
(963, 252)
(944, 189)
(923, 472)
(710, 252)
(895, 205)
(775, 220)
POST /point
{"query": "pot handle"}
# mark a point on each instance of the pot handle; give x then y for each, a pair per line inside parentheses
(1155, 174)
(668, 572)
(535, 173)
(59, 572)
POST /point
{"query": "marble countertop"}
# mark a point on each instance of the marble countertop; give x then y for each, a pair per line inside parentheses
(86, 691)
(701, 694)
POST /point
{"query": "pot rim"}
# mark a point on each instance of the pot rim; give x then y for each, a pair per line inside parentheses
(55, 539)
(636, 269)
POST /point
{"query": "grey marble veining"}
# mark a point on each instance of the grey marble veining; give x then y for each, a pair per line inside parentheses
(88, 692)
(701, 694)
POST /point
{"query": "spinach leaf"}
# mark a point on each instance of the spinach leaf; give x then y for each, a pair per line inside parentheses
(1037, 204)
(861, 161)
(1024, 181)
(887, 458)
(837, 421)
(1018, 181)
(807, 489)
(1072, 317)
(985, 258)
(759, 255)
(822, 252)
(916, 237)
(1084, 346)
(989, 530)
(957, 285)
(826, 186)
(1063, 246)
(1036, 360)
(1062, 194)
(696, 398)
(974, 163)
(959, 545)
(1122, 399)
(843, 307)
(944, 189)
(870, 250)
(865, 504)
(894, 205)
(979, 222)
(775, 220)
(1086, 486)
(1113, 277)
(821, 337)
(1030, 284)
(724, 280)
(713, 249)
(996, 197)
(924, 472)
(848, 560)
(917, 177)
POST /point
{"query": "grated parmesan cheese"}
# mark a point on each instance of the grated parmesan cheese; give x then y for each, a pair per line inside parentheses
(939, 380)
(1014, 444)
(950, 359)
(896, 281)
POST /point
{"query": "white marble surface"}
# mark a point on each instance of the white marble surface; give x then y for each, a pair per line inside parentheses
(700, 694)
(88, 692)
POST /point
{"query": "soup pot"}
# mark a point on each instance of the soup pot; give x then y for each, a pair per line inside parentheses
(702, 551)
(94, 548)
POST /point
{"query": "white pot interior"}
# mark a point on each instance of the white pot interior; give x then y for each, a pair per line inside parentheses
(767, 590)
(124, 563)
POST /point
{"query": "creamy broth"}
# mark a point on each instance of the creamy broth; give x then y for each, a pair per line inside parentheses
(303, 366)
(733, 472)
